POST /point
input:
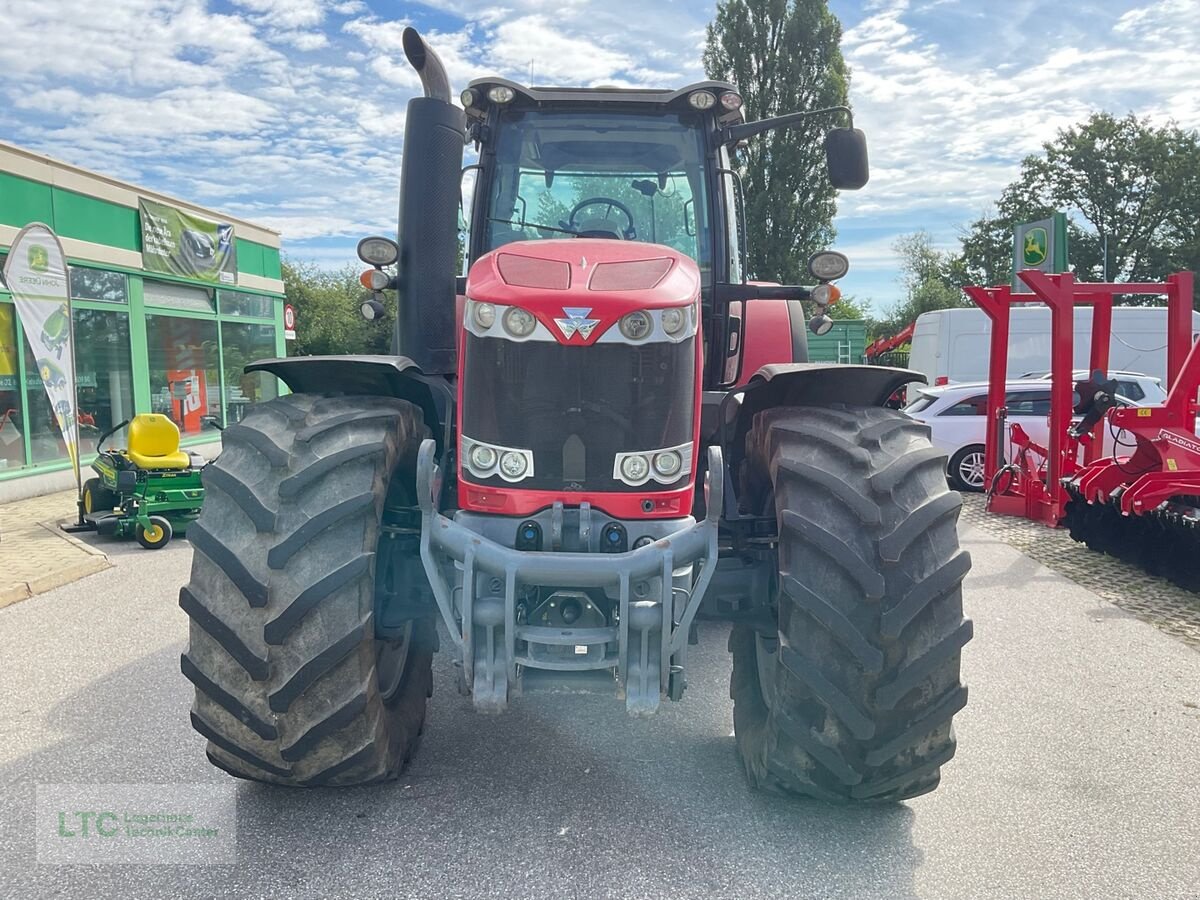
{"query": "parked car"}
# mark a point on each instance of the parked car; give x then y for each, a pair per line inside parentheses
(957, 417)
(1144, 390)
(954, 345)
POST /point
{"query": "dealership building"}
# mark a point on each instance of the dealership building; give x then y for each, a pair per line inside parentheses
(152, 333)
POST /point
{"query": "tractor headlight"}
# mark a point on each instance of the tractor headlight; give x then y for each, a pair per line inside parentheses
(667, 463)
(701, 100)
(513, 464)
(636, 325)
(635, 467)
(731, 101)
(519, 322)
(468, 98)
(828, 265)
(483, 457)
(825, 294)
(501, 93)
(484, 315)
(674, 320)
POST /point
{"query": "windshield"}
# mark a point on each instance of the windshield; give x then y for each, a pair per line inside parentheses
(633, 176)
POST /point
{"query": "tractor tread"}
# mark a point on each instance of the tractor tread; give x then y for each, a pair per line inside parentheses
(835, 622)
(244, 496)
(316, 668)
(285, 666)
(277, 629)
(256, 666)
(254, 590)
(219, 740)
(294, 485)
(277, 456)
(226, 700)
(279, 555)
(865, 682)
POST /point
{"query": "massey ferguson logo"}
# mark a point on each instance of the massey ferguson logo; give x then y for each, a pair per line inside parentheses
(1179, 440)
(576, 321)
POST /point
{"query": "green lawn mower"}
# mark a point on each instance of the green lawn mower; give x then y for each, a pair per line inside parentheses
(151, 490)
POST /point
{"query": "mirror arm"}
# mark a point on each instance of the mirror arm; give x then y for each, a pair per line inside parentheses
(735, 133)
(735, 293)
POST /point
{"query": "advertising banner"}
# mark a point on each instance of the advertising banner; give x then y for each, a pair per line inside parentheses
(179, 243)
(36, 273)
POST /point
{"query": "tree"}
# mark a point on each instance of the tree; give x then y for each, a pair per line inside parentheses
(928, 276)
(328, 321)
(849, 308)
(784, 56)
(1131, 190)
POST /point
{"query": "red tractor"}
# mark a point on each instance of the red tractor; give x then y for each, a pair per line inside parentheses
(602, 433)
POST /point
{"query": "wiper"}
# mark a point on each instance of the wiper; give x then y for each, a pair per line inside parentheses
(533, 225)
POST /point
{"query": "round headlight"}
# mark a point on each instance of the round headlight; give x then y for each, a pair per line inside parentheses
(673, 320)
(825, 294)
(731, 101)
(828, 265)
(378, 251)
(636, 325)
(468, 98)
(635, 467)
(513, 464)
(371, 309)
(501, 93)
(668, 463)
(482, 457)
(519, 322)
(701, 100)
(484, 315)
(820, 324)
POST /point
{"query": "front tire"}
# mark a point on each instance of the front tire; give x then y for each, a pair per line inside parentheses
(157, 536)
(292, 685)
(849, 694)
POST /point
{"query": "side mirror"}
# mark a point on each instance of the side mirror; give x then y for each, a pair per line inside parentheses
(846, 158)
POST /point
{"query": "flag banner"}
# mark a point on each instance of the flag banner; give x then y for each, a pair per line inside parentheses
(36, 274)
(179, 243)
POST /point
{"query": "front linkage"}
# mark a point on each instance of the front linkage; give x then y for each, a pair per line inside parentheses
(479, 584)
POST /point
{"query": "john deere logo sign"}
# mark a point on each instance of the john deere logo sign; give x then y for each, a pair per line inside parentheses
(39, 258)
(1035, 247)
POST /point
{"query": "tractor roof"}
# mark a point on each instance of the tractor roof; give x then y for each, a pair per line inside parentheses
(608, 95)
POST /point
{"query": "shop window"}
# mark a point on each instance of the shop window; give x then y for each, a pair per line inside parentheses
(237, 303)
(178, 296)
(12, 445)
(97, 284)
(244, 343)
(103, 381)
(185, 382)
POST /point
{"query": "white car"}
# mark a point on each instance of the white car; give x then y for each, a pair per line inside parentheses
(1140, 389)
(957, 417)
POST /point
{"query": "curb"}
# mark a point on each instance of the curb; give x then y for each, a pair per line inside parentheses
(95, 561)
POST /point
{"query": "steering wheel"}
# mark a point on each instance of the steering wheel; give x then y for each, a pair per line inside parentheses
(610, 204)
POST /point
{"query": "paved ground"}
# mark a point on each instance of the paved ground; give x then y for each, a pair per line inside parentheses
(34, 555)
(1077, 773)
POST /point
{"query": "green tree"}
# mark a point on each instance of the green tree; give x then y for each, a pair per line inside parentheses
(328, 321)
(929, 279)
(784, 56)
(1131, 190)
(849, 308)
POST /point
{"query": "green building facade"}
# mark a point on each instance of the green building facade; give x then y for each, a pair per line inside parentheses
(145, 341)
(844, 343)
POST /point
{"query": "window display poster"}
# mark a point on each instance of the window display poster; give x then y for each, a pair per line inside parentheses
(36, 274)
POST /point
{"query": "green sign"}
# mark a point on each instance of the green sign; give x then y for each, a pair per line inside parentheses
(1039, 245)
(179, 243)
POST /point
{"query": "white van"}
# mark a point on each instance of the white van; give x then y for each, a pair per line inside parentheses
(953, 345)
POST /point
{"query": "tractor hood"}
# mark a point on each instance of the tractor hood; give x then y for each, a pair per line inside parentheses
(579, 288)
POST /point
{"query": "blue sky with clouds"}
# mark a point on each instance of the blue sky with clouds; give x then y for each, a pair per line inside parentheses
(291, 112)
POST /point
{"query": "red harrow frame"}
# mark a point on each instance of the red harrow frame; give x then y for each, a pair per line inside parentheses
(1143, 506)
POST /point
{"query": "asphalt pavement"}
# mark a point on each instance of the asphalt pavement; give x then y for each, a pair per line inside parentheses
(1077, 774)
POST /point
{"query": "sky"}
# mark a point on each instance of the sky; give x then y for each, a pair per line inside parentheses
(290, 113)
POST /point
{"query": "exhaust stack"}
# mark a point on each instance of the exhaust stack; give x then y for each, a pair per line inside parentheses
(428, 65)
(430, 170)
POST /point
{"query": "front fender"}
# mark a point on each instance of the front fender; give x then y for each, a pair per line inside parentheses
(379, 376)
(805, 384)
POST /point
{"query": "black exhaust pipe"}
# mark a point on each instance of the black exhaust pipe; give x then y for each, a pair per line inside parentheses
(428, 65)
(430, 169)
